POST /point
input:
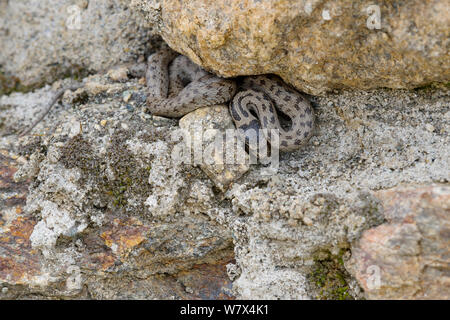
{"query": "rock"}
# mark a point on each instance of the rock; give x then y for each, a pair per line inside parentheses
(118, 74)
(106, 212)
(314, 45)
(202, 129)
(45, 40)
(292, 227)
(407, 257)
(19, 263)
(135, 224)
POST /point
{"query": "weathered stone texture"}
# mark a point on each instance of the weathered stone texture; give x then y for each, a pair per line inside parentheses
(110, 215)
(315, 45)
(45, 40)
(409, 256)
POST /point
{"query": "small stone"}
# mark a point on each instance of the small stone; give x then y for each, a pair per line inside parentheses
(233, 271)
(126, 96)
(429, 127)
(307, 221)
(95, 88)
(103, 123)
(205, 125)
(141, 81)
(119, 74)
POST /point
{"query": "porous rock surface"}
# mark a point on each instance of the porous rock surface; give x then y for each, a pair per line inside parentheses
(106, 202)
(315, 45)
(110, 215)
(45, 40)
(93, 204)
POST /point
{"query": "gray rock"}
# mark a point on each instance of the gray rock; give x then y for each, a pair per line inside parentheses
(205, 132)
(106, 197)
(93, 203)
(46, 40)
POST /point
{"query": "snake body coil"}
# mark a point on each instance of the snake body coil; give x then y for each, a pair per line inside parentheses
(177, 86)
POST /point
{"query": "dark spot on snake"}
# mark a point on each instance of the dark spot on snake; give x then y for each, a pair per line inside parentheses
(252, 127)
(298, 142)
(287, 98)
(263, 82)
(234, 113)
(309, 123)
(254, 124)
(239, 103)
(272, 120)
(305, 134)
(284, 143)
(265, 121)
(289, 137)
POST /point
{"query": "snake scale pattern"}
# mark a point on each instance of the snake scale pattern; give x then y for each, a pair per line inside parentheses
(177, 86)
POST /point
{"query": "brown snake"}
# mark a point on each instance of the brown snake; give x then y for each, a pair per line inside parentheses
(177, 86)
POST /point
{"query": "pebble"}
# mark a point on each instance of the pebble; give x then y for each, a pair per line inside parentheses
(429, 127)
(141, 81)
(119, 74)
(307, 221)
(126, 96)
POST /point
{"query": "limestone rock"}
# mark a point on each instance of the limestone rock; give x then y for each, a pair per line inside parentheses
(108, 214)
(206, 135)
(315, 45)
(46, 40)
(407, 257)
(106, 210)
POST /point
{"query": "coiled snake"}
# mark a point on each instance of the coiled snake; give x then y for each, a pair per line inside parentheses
(177, 86)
